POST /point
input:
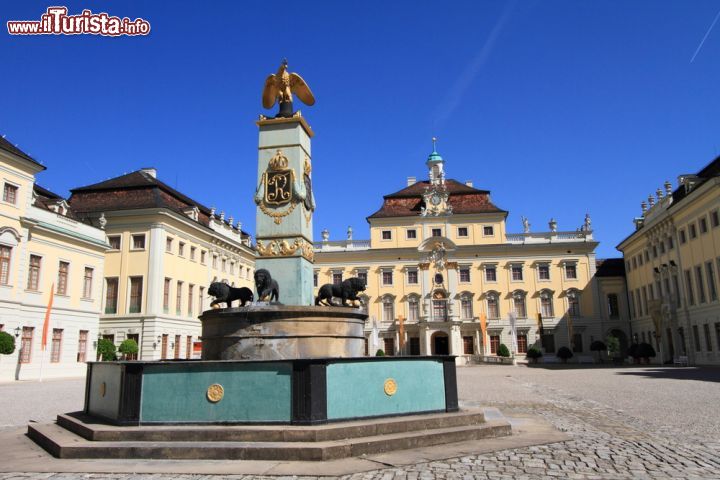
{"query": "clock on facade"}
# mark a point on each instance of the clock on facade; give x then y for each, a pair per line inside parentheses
(435, 199)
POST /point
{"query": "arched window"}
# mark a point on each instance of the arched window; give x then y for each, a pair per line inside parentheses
(546, 304)
(388, 310)
(466, 309)
(413, 308)
(493, 305)
(573, 297)
(439, 301)
(519, 304)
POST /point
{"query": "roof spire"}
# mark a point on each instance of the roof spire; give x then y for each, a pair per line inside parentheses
(434, 140)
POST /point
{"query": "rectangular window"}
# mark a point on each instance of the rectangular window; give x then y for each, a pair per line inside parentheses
(488, 231)
(177, 347)
(337, 278)
(181, 249)
(414, 345)
(681, 233)
(491, 274)
(548, 342)
(703, 225)
(437, 232)
(519, 304)
(315, 279)
(571, 271)
(201, 296)
(708, 338)
(387, 277)
(26, 344)
(223, 265)
(87, 282)
(440, 313)
(700, 284)
(388, 311)
(111, 295)
(168, 244)
(696, 338)
(546, 306)
(676, 287)
(166, 295)
(517, 272)
(413, 310)
(164, 347)
(138, 242)
(411, 234)
(463, 233)
(412, 277)
(522, 343)
(10, 193)
(466, 309)
(494, 344)
(362, 276)
(56, 345)
(214, 262)
(645, 298)
(232, 268)
(191, 292)
(689, 288)
(82, 345)
(192, 253)
(5, 254)
(188, 347)
(178, 299)
(468, 345)
(202, 256)
(577, 343)
(493, 307)
(136, 288)
(465, 274)
(34, 272)
(692, 230)
(671, 243)
(389, 344)
(710, 274)
(613, 307)
(114, 241)
(63, 268)
(544, 271)
(387, 235)
(574, 305)
(714, 218)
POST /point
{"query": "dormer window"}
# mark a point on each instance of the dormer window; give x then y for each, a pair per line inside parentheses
(192, 212)
(60, 207)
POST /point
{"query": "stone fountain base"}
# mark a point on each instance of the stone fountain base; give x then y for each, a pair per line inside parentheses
(282, 332)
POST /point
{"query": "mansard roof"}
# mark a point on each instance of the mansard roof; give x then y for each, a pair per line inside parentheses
(9, 147)
(135, 190)
(408, 202)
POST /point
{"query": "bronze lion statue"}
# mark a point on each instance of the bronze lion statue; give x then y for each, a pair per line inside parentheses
(267, 288)
(224, 293)
(347, 290)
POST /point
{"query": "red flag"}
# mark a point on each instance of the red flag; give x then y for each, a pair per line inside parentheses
(46, 325)
(483, 330)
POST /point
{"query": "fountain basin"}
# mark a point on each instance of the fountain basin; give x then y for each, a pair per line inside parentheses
(282, 332)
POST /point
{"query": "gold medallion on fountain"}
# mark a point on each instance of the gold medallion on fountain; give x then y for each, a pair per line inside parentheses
(390, 387)
(215, 392)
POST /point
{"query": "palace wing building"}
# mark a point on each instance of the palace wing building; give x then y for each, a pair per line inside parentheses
(439, 259)
(672, 261)
(48, 256)
(165, 250)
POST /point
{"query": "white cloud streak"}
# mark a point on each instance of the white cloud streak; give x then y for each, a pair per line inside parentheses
(707, 34)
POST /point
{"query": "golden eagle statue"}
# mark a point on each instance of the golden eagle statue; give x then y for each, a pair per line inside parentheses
(280, 86)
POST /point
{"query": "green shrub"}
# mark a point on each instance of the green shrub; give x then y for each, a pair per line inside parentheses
(645, 350)
(380, 353)
(503, 351)
(564, 353)
(633, 351)
(613, 345)
(598, 346)
(106, 350)
(7, 343)
(534, 353)
(128, 347)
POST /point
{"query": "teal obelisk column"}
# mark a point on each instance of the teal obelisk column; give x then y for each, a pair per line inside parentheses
(285, 207)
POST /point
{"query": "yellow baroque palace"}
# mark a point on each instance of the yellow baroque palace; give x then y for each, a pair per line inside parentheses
(440, 261)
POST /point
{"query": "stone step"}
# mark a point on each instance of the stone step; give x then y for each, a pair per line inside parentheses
(90, 429)
(65, 444)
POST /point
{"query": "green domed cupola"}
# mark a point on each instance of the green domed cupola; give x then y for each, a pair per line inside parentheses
(436, 164)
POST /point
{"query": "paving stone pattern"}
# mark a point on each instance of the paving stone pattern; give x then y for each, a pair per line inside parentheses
(606, 443)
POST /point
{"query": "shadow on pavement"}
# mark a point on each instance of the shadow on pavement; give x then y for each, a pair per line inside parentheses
(701, 374)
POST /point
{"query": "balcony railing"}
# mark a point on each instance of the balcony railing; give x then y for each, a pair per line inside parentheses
(549, 237)
(341, 245)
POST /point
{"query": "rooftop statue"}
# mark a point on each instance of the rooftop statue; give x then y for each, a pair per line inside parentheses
(279, 88)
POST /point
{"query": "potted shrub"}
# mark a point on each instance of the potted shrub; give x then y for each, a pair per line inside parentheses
(7, 343)
(645, 351)
(533, 354)
(564, 353)
(633, 352)
(380, 353)
(106, 350)
(613, 346)
(598, 346)
(503, 351)
(128, 347)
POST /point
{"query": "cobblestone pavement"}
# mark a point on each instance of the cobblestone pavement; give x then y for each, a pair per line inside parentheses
(607, 442)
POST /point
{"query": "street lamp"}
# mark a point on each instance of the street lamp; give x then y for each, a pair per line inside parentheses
(17, 332)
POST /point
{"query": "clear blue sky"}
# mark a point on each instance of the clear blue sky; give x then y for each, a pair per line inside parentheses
(557, 107)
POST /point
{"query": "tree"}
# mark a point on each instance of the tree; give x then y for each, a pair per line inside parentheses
(613, 346)
(534, 353)
(380, 353)
(564, 353)
(106, 350)
(7, 343)
(645, 351)
(503, 351)
(128, 347)
(599, 347)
